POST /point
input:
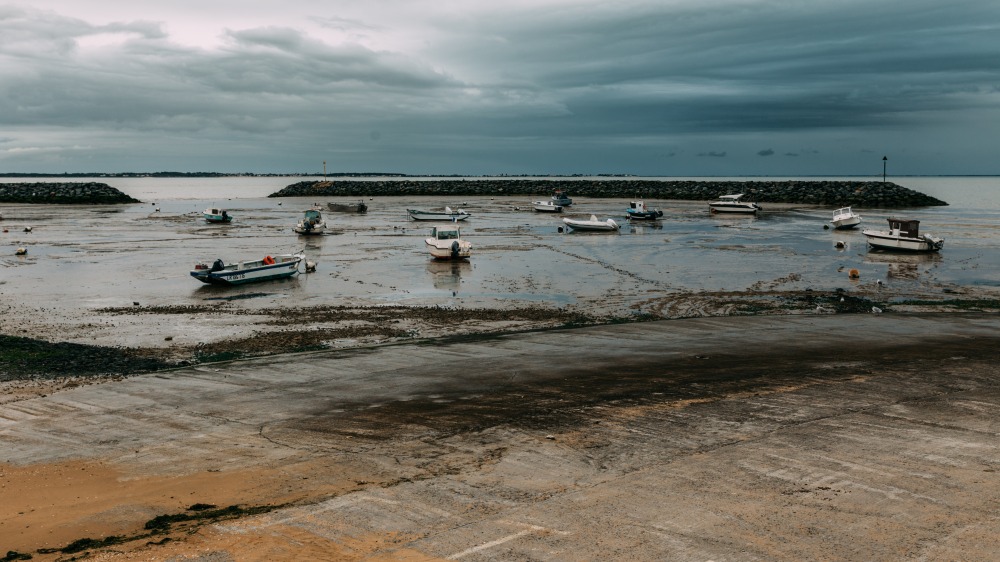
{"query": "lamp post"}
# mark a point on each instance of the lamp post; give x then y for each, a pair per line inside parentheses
(324, 172)
(884, 160)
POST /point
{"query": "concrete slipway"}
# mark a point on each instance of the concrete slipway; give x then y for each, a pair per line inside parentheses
(829, 437)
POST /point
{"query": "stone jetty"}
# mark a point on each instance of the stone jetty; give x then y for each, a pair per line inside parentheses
(819, 192)
(76, 193)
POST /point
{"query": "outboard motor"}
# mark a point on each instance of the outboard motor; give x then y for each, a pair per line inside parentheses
(219, 265)
(455, 249)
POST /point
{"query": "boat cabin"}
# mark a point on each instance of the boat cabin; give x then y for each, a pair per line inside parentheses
(445, 233)
(638, 206)
(904, 227)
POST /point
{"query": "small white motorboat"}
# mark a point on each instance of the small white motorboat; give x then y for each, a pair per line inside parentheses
(221, 273)
(593, 224)
(845, 218)
(637, 210)
(733, 204)
(903, 234)
(312, 223)
(446, 243)
(446, 215)
(546, 207)
(560, 198)
(217, 215)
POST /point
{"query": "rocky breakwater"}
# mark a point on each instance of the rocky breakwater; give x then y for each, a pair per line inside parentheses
(91, 193)
(820, 192)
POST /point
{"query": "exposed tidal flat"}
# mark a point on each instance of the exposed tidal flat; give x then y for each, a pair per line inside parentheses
(117, 274)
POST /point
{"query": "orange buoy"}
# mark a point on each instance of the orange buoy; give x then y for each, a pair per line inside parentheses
(854, 274)
(268, 260)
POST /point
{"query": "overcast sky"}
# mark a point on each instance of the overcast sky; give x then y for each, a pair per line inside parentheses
(648, 87)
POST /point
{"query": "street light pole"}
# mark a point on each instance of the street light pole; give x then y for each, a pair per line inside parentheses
(884, 160)
(324, 171)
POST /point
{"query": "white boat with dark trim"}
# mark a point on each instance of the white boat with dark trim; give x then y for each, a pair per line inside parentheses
(221, 273)
(446, 243)
(637, 210)
(608, 225)
(845, 218)
(312, 222)
(447, 215)
(903, 234)
(546, 207)
(733, 204)
(217, 215)
(561, 198)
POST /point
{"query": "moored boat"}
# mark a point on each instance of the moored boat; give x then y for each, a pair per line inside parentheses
(637, 210)
(845, 218)
(447, 215)
(359, 207)
(238, 273)
(903, 234)
(733, 204)
(546, 207)
(446, 243)
(215, 215)
(312, 222)
(608, 225)
(561, 198)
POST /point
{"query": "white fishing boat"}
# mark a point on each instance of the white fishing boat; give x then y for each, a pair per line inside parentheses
(215, 215)
(845, 218)
(608, 225)
(546, 207)
(560, 198)
(903, 234)
(447, 215)
(446, 243)
(267, 268)
(312, 222)
(638, 210)
(733, 204)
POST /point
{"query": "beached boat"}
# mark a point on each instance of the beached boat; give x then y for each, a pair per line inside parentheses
(903, 234)
(221, 273)
(217, 215)
(546, 207)
(733, 204)
(845, 218)
(446, 215)
(637, 210)
(446, 243)
(560, 198)
(607, 225)
(312, 222)
(359, 207)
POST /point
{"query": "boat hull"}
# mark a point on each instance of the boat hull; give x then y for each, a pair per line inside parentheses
(254, 274)
(218, 219)
(592, 226)
(644, 216)
(887, 241)
(547, 207)
(844, 224)
(462, 252)
(740, 208)
(440, 217)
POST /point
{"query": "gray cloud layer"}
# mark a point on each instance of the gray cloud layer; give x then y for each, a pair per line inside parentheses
(552, 88)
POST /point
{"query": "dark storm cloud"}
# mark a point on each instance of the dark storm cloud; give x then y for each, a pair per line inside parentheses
(518, 85)
(765, 152)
